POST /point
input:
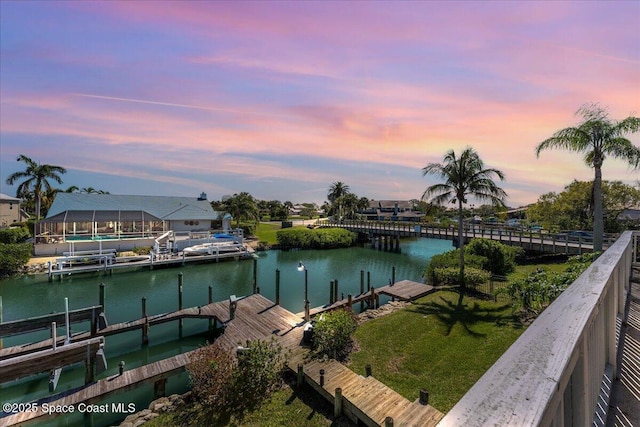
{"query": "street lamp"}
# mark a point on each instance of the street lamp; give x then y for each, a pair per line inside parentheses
(301, 267)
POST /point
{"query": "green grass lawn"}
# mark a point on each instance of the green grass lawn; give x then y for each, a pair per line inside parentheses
(436, 345)
(267, 232)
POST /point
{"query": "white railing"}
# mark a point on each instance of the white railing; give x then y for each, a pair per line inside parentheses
(553, 374)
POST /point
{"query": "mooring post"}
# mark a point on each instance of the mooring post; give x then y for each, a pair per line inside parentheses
(372, 304)
(368, 280)
(393, 275)
(54, 335)
(335, 282)
(277, 286)
(300, 379)
(121, 367)
(255, 275)
(349, 301)
(50, 271)
(388, 422)
(367, 370)
(210, 302)
(337, 403)
(424, 397)
(145, 327)
(159, 388)
(180, 279)
(101, 296)
(321, 377)
(361, 289)
(331, 298)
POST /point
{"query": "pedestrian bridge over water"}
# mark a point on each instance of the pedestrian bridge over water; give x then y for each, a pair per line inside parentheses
(536, 241)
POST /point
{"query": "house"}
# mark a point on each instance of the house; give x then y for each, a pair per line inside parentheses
(391, 210)
(10, 211)
(122, 221)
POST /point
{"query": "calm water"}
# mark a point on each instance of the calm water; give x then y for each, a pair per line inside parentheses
(33, 296)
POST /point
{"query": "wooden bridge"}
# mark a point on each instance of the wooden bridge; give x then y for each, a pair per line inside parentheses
(536, 241)
(249, 318)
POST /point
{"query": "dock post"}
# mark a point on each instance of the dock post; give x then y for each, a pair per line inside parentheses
(101, 296)
(94, 322)
(50, 271)
(388, 422)
(300, 379)
(424, 397)
(393, 275)
(54, 335)
(335, 284)
(373, 298)
(361, 289)
(331, 299)
(145, 327)
(159, 388)
(210, 302)
(255, 275)
(367, 370)
(89, 375)
(337, 403)
(180, 281)
(368, 280)
(277, 286)
(349, 302)
(321, 377)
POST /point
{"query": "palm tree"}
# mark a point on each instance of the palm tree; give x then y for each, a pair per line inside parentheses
(242, 206)
(463, 176)
(336, 191)
(597, 137)
(37, 180)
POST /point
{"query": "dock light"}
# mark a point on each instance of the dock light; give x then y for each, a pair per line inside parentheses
(301, 267)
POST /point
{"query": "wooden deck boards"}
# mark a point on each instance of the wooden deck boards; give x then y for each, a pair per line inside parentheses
(258, 318)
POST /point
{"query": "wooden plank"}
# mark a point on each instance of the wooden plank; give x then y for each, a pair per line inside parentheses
(47, 360)
(38, 323)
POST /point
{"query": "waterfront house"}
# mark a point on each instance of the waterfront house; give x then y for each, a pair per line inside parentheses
(10, 210)
(121, 222)
(391, 210)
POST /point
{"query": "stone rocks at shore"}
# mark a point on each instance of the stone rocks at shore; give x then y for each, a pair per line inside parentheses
(157, 407)
(383, 310)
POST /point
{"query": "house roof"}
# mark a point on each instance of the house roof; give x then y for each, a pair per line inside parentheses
(390, 204)
(155, 207)
(9, 198)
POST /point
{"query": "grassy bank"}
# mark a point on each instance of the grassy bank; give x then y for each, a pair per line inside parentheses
(437, 345)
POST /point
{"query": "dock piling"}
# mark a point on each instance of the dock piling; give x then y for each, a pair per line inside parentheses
(180, 281)
(211, 325)
(337, 403)
(277, 286)
(145, 327)
(255, 275)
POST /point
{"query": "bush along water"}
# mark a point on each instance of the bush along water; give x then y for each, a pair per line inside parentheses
(320, 238)
(534, 293)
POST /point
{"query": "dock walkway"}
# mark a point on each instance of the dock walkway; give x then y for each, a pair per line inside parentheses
(256, 317)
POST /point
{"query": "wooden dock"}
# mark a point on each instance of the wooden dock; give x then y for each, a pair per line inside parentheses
(255, 317)
(167, 260)
(404, 290)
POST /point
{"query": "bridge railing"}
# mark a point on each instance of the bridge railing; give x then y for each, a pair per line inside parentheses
(553, 374)
(536, 240)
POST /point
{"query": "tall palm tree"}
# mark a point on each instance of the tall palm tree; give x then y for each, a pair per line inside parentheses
(463, 176)
(336, 191)
(597, 137)
(37, 180)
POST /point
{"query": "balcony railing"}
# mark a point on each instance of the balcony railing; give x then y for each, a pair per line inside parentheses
(559, 371)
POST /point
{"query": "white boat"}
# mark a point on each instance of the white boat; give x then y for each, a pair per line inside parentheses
(213, 248)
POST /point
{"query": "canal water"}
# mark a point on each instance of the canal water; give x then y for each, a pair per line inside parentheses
(33, 295)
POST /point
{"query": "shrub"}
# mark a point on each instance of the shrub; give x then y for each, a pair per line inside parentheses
(539, 289)
(13, 257)
(142, 250)
(450, 259)
(451, 276)
(321, 238)
(500, 259)
(14, 235)
(332, 334)
(232, 385)
(211, 374)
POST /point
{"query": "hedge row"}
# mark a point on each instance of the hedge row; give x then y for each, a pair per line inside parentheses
(320, 238)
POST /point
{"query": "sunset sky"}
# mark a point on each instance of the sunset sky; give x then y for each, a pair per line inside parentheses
(280, 99)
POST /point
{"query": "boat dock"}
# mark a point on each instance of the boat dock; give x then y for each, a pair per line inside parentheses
(363, 399)
(107, 263)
